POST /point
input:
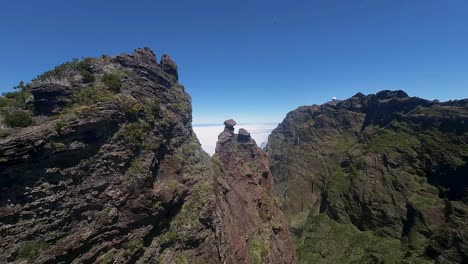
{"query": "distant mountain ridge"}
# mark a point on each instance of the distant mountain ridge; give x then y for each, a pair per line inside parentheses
(379, 178)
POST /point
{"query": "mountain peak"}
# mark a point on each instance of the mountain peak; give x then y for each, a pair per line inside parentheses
(388, 94)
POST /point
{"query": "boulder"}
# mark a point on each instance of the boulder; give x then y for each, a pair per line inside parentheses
(244, 135)
(50, 98)
(244, 132)
(230, 123)
(169, 66)
(227, 133)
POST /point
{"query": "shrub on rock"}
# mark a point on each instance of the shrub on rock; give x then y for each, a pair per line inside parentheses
(18, 119)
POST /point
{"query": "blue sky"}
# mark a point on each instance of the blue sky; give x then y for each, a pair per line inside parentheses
(253, 60)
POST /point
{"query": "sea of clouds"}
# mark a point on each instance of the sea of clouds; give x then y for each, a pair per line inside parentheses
(208, 134)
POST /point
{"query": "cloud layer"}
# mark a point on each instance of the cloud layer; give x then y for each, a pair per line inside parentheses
(208, 134)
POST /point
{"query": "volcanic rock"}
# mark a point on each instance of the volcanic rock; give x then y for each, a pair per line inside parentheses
(50, 98)
(227, 133)
(382, 169)
(121, 178)
(229, 125)
(250, 206)
(244, 132)
(244, 135)
(169, 66)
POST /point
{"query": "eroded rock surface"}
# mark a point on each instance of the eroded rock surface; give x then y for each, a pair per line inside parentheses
(258, 232)
(110, 171)
(375, 179)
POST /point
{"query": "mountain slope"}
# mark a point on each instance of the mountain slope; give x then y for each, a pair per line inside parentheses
(375, 178)
(99, 164)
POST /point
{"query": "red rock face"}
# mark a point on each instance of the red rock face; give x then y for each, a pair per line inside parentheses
(255, 227)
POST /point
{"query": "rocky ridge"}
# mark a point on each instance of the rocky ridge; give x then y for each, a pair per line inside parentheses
(104, 167)
(259, 232)
(378, 178)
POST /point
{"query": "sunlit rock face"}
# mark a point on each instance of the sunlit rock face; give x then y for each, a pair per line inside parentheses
(109, 170)
(375, 178)
(208, 134)
(258, 231)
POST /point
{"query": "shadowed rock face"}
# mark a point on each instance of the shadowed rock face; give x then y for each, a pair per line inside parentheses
(119, 177)
(383, 176)
(50, 98)
(258, 232)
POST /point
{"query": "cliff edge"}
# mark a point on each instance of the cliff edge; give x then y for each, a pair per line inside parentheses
(99, 164)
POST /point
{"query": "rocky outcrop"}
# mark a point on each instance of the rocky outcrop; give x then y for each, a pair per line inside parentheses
(244, 135)
(169, 66)
(258, 232)
(118, 176)
(379, 175)
(50, 98)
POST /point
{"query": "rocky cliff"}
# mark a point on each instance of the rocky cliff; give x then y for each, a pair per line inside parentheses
(258, 231)
(380, 178)
(99, 164)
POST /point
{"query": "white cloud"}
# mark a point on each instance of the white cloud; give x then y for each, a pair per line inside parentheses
(208, 134)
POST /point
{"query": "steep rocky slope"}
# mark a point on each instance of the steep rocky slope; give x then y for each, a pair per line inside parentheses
(258, 232)
(99, 164)
(381, 178)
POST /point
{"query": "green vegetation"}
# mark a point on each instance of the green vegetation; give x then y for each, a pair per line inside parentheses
(58, 126)
(88, 77)
(136, 167)
(338, 184)
(13, 105)
(326, 241)
(425, 195)
(108, 258)
(52, 234)
(181, 107)
(442, 111)
(132, 134)
(186, 225)
(132, 248)
(387, 139)
(202, 195)
(181, 259)
(346, 141)
(14, 99)
(57, 146)
(30, 250)
(169, 236)
(18, 119)
(453, 147)
(5, 102)
(67, 69)
(152, 108)
(130, 106)
(4, 133)
(112, 81)
(259, 246)
(296, 223)
(91, 95)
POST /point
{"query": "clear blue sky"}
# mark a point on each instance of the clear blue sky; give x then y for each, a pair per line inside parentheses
(254, 60)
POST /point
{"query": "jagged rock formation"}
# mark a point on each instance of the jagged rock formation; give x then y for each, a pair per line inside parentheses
(375, 179)
(258, 232)
(110, 171)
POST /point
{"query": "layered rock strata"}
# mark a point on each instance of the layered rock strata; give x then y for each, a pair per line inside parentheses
(378, 178)
(110, 171)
